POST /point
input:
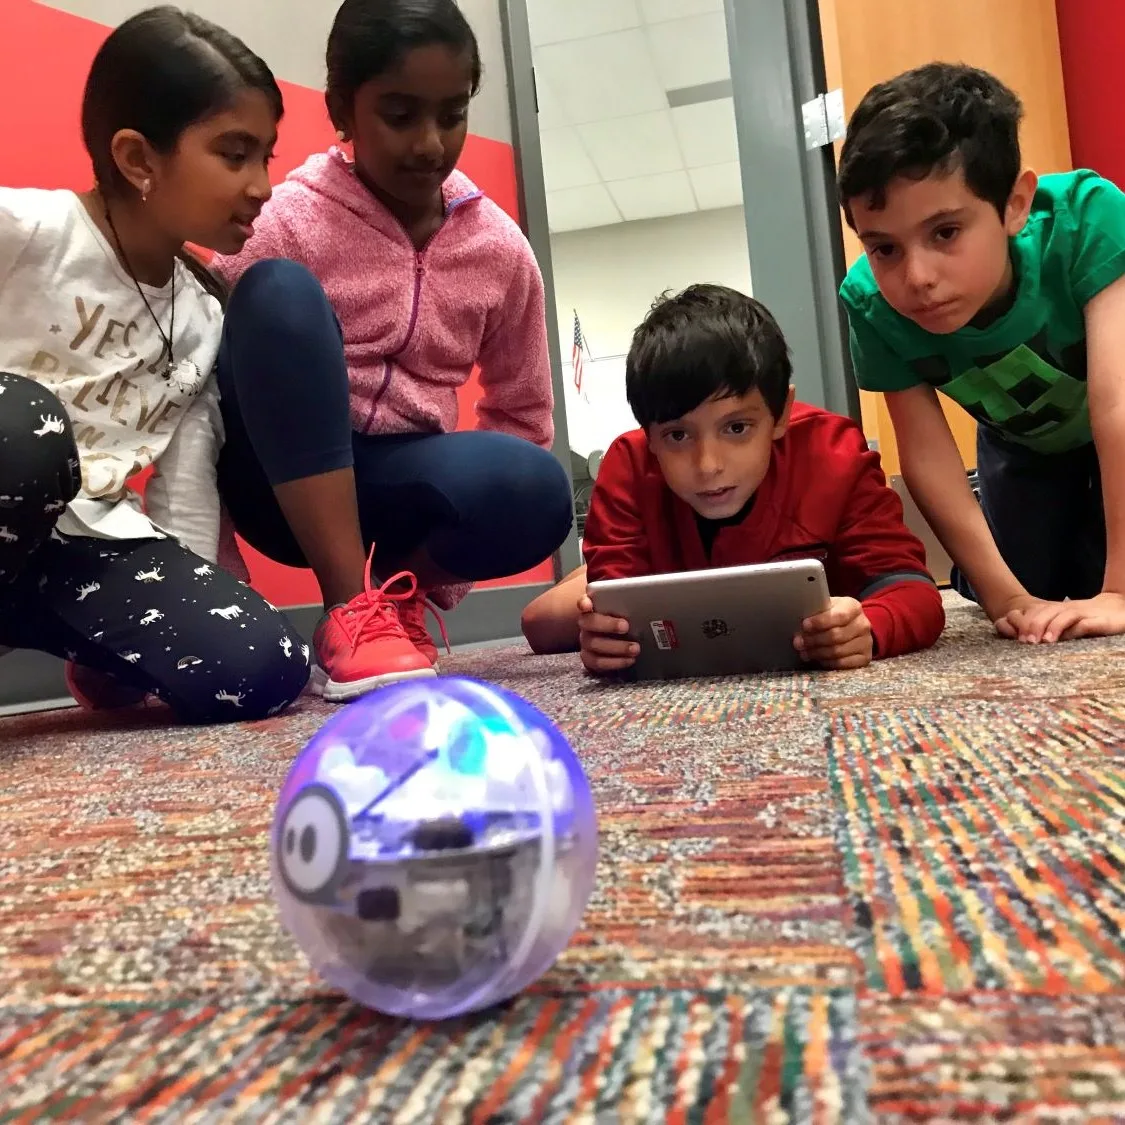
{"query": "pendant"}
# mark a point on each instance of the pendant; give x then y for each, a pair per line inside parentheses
(184, 377)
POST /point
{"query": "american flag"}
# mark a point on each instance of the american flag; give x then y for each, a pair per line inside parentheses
(576, 353)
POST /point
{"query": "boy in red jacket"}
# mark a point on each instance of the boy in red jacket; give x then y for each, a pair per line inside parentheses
(726, 470)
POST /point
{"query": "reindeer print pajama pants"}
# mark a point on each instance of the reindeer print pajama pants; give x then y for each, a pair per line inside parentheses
(145, 611)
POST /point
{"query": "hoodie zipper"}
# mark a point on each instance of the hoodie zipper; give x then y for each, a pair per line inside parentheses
(419, 272)
(419, 269)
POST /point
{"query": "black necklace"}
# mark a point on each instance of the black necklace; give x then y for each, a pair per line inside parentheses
(184, 375)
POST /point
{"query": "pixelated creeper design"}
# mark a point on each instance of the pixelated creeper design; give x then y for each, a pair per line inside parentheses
(1021, 393)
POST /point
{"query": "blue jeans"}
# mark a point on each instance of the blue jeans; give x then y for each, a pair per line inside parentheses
(1046, 515)
(481, 504)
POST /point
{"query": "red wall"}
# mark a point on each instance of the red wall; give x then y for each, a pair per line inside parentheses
(1092, 42)
(44, 57)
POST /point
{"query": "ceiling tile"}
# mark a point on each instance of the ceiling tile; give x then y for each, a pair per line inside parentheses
(717, 186)
(581, 207)
(627, 147)
(706, 133)
(556, 21)
(650, 197)
(690, 52)
(565, 162)
(655, 11)
(604, 76)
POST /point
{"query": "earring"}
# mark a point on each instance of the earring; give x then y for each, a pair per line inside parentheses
(341, 135)
(145, 187)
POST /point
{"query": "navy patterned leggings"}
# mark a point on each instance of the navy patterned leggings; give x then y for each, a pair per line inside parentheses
(146, 612)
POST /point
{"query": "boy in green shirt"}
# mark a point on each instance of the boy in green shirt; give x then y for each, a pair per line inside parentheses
(1003, 291)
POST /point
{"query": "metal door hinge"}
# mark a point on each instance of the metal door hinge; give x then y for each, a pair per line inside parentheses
(824, 119)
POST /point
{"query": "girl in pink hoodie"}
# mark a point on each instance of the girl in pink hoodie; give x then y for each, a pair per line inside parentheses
(372, 287)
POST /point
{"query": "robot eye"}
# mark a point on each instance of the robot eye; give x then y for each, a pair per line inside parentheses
(313, 845)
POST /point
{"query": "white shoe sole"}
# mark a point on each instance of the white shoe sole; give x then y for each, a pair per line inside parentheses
(320, 684)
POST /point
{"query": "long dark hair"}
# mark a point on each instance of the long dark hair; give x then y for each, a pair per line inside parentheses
(370, 37)
(158, 73)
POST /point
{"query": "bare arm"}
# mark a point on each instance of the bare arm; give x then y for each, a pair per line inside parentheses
(1105, 338)
(1103, 615)
(550, 623)
(935, 475)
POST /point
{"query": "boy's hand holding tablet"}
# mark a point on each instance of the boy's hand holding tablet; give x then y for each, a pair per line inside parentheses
(602, 640)
(838, 638)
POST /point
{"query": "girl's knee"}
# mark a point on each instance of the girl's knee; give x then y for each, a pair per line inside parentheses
(553, 481)
(40, 458)
(273, 688)
(271, 681)
(519, 491)
(546, 492)
(277, 289)
(257, 680)
(22, 401)
(281, 676)
(278, 320)
(526, 505)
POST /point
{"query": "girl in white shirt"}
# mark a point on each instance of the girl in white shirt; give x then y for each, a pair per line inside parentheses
(108, 336)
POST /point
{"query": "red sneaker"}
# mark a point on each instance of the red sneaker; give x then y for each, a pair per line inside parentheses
(95, 691)
(412, 614)
(363, 644)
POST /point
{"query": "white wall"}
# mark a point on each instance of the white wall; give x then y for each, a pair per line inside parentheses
(612, 275)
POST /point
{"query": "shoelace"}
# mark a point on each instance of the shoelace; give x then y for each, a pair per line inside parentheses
(427, 604)
(379, 616)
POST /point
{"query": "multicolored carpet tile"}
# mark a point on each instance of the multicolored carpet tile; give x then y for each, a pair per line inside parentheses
(995, 1056)
(896, 894)
(613, 1054)
(983, 845)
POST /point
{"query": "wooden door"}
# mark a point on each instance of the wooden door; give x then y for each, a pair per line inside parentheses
(869, 41)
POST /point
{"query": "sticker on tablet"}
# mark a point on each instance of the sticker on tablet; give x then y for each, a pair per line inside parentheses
(664, 633)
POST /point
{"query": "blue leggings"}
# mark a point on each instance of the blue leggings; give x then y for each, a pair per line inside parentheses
(481, 504)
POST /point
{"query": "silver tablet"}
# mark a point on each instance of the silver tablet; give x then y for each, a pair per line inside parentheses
(725, 622)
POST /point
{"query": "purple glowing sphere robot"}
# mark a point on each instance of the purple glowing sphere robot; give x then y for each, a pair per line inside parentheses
(434, 847)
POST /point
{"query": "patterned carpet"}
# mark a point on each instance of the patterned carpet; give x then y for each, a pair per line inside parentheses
(893, 895)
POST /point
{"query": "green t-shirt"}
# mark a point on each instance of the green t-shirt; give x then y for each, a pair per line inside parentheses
(1024, 375)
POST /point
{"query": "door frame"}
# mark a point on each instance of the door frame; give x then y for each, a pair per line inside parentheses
(789, 191)
(532, 194)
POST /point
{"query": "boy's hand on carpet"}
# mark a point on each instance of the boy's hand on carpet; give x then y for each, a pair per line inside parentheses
(1047, 622)
(602, 641)
(1011, 618)
(840, 637)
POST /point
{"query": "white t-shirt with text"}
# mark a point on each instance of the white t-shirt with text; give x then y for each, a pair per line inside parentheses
(71, 318)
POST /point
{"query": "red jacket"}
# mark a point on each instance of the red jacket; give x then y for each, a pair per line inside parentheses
(824, 496)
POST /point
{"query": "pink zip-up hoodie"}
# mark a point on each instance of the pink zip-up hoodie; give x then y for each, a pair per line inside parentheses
(416, 322)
